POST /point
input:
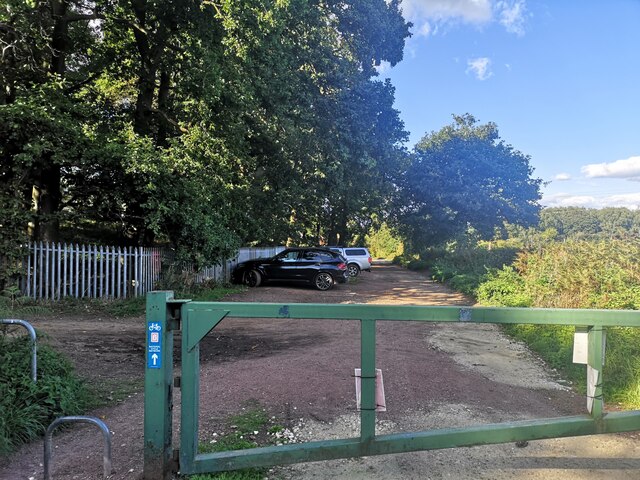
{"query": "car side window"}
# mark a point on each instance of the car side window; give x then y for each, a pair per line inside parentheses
(355, 251)
(288, 256)
(310, 255)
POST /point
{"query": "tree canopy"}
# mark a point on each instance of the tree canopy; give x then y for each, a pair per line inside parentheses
(199, 124)
(464, 176)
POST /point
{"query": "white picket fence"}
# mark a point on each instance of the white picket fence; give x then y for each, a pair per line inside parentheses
(59, 270)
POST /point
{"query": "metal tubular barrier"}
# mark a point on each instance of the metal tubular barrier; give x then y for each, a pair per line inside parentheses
(165, 315)
(32, 333)
(106, 457)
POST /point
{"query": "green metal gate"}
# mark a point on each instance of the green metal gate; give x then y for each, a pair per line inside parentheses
(195, 319)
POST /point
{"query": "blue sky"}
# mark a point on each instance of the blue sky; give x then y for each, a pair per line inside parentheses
(561, 79)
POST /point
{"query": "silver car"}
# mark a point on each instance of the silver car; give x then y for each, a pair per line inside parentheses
(358, 259)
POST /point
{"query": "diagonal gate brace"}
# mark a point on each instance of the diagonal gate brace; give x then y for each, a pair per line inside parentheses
(202, 322)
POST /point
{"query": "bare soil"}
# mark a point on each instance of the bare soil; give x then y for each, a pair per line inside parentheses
(301, 371)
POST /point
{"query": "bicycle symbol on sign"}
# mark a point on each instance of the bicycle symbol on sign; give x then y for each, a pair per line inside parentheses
(155, 326)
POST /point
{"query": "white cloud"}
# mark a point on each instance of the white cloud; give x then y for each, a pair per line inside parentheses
(562, 177)
(481, 67)
(470, 11)
(628, 200)
(424, 30)
(512, 16)
(628, 168)
(427, 15)
(383, 68)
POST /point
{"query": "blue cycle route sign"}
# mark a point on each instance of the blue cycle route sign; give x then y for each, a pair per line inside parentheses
(154, 345)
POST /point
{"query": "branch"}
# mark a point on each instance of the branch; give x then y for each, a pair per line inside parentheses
(92, 76)
(77, 17)
(170, 121)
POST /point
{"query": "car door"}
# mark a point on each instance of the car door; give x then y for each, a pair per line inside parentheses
(283, 266)
(310, 263)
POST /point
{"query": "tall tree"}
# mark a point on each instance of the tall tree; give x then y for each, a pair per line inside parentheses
(464, 176)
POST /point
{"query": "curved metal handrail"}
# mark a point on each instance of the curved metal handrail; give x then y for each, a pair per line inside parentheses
(106, 458)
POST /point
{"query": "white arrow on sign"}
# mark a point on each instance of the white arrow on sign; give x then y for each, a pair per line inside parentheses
(154, 357)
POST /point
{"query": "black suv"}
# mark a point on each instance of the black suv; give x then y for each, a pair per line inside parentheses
(318, 266)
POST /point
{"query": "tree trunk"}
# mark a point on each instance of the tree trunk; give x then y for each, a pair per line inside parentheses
(163, 106)
(59, 38)
(46, 202)
(143, 116)
(46, 191)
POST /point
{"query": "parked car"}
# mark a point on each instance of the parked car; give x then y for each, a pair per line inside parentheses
(319, 267)
(358, 258)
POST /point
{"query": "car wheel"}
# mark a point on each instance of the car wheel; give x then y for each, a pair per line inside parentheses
(353, 269)
(323, 281)
(252, 278)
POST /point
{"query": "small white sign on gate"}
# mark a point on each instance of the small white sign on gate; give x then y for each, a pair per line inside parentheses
(381, 404)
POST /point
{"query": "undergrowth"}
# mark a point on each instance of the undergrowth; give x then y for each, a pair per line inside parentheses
(27, 408)
(21, 306)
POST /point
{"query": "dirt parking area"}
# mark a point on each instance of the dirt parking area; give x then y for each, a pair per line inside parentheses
(301, 371)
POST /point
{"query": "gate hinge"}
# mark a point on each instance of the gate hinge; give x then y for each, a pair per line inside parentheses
(177, 381)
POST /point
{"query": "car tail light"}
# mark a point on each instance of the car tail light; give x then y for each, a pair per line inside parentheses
(370, 260)
(342, 266)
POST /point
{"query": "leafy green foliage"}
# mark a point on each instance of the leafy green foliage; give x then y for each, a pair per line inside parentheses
(465, 176)
(384, 243)
(584, 223)
(13, 304)
(27, 408)
(583, 274)
(465, 262)
(504, 288)
(196, 125)
(576, 274)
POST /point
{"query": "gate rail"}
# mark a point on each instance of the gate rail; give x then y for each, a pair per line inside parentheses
(166, 315)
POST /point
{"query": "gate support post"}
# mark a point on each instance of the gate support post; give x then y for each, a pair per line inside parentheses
(158, 384)
(595, 359)
(368, 380)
